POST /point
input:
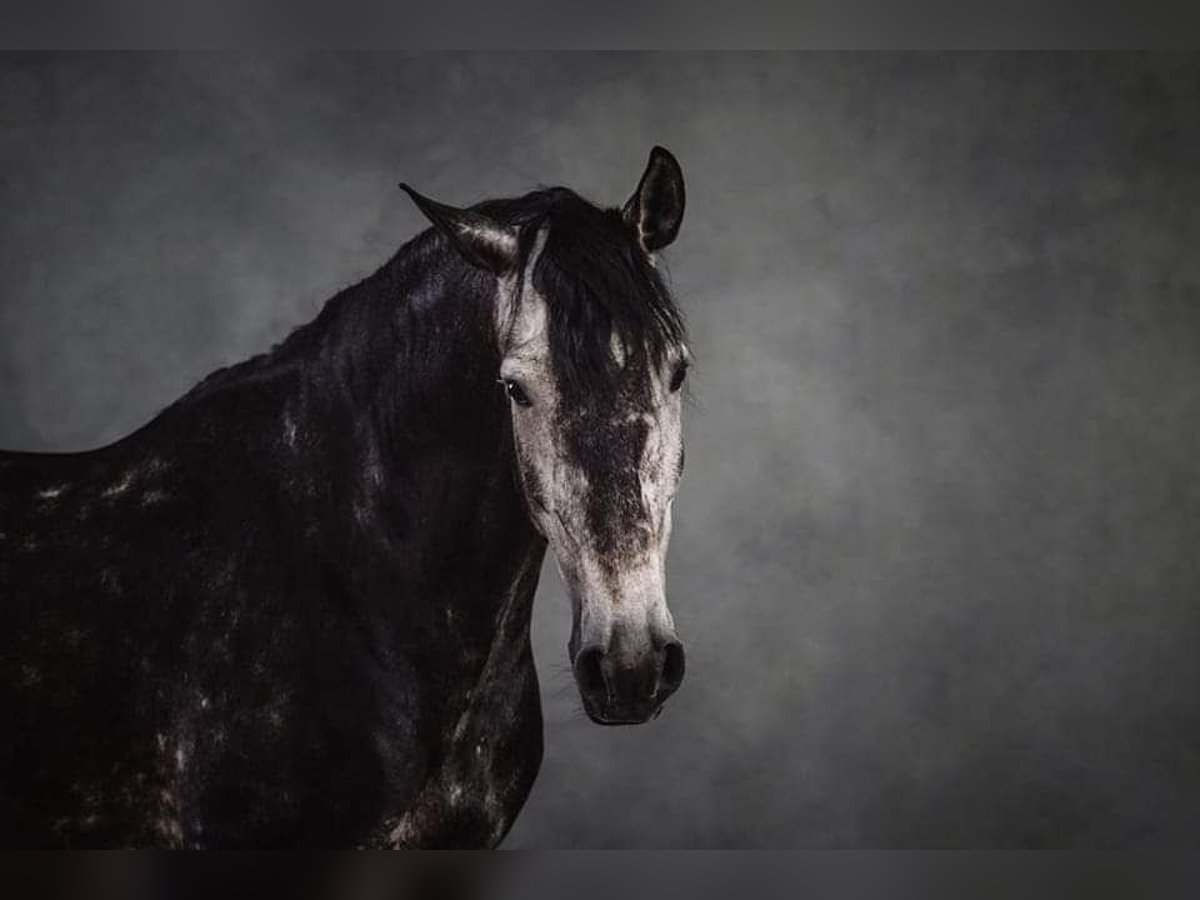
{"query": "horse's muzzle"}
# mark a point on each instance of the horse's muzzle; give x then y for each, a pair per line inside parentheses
(624, 687)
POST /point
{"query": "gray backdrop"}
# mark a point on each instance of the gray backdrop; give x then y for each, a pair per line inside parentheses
(935, 550)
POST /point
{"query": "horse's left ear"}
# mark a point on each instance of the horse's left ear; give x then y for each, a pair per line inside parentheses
(483, 241)
(655, 211)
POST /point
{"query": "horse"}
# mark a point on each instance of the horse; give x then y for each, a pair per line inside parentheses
(293, 609)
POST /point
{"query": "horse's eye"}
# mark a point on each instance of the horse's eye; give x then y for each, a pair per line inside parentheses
(517, 393)
(678, 376)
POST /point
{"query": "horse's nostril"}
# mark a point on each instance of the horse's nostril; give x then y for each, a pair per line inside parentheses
(673, 666)
(588, 670)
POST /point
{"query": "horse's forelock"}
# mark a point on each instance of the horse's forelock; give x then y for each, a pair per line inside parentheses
(598, 286)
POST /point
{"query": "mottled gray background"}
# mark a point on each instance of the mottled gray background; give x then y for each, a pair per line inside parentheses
(935, 555)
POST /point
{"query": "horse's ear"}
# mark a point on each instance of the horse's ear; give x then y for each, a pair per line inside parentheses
(483, 241)
(655, 211)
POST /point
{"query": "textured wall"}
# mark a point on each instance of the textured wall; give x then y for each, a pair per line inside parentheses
(935, 551)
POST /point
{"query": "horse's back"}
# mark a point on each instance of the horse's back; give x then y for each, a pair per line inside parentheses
(61, 526)
(41, 522)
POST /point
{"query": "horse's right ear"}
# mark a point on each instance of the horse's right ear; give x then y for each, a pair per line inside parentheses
(482, 241)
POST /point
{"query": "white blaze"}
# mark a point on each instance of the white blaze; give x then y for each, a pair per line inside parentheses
(630, 591)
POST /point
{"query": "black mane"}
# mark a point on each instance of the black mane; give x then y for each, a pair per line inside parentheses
(598, 282)
(597, 278)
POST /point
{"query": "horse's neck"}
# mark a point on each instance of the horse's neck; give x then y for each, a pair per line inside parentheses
(402, 438)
